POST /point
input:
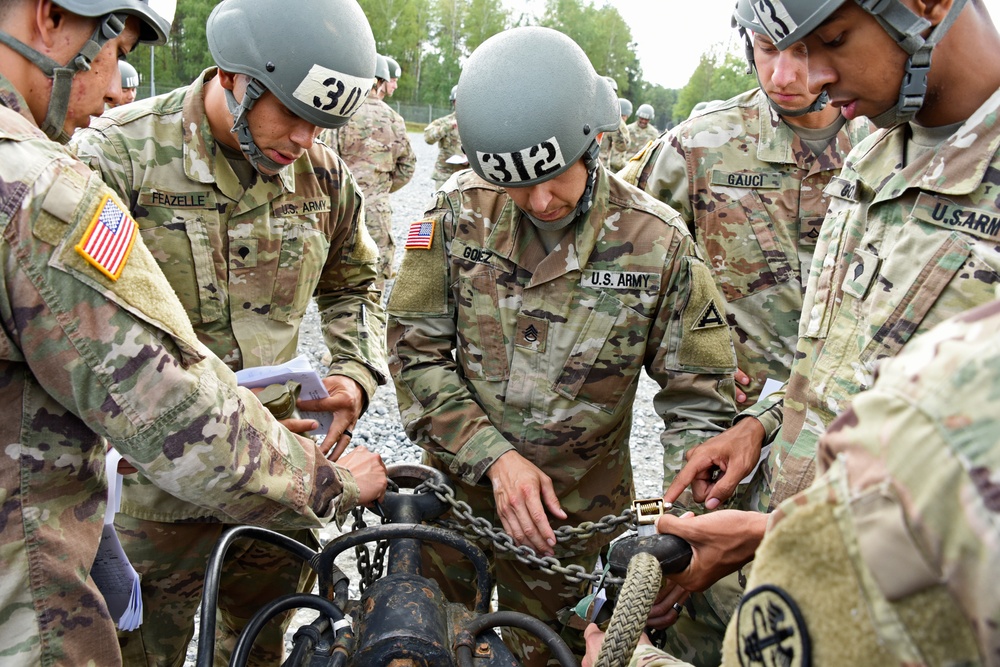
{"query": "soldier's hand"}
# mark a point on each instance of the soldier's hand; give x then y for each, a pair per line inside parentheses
(721, 542)
(523, 493)
(715, 467)
(744, 380)
(594, 638)
(369, 472)
(345, 402)
(664, 613)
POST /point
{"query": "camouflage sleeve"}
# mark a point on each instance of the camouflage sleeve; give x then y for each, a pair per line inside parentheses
(647, 655)
(691, 356)
(350, 306)
(436, 131)
(768, 412)
(108, 157)
(621, 138)
(668, 179)
(406, 159)
(438, 411)
(121, 355)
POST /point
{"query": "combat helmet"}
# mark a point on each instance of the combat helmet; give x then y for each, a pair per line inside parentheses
(454, 94)
(324, 84)
(130, 77)
(625, 106)
(532, 106)
(394, 69)
(382, 67)
(789, 21)
(645, 111)
(745, 20)
(155, 17)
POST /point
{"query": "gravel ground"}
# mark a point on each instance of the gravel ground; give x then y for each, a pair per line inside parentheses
(379, 428)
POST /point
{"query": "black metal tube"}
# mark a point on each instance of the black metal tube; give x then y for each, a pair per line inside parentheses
(291, 601)
(484, 581)
(515, 619)
(213, 574)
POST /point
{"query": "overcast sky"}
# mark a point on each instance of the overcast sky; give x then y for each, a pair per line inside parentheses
(672, 34)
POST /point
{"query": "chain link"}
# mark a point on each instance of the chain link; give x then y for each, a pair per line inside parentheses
(479, 528)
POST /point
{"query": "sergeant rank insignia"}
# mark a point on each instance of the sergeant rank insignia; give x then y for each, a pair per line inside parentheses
(108, 240)
(771, 630)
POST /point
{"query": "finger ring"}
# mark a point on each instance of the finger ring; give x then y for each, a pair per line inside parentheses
(678, 608)
(349, 433)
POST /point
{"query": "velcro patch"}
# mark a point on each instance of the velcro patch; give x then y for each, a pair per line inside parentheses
(290, 207)
(620, 280)
(421, 235)
(747, 179)
(532, 333)
(944, 213)
(109, 237)
(771, 629)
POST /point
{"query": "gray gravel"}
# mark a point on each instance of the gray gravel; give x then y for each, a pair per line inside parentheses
(379, 428)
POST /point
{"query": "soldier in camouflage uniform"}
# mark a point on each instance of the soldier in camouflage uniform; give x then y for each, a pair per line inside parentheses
(376, 149)
(96, 350)
(912, 236)
(247, 231)
(642, 131)
(444, 132)
(890, 557)
(748, 176)
(615, 143)
(528, 302)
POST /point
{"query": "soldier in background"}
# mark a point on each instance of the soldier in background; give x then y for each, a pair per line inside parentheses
(375, 147)
(890, 557)
(642, 131)
(444, 132)
(907, 243)
(96, 349)
(615, 143)
(395, 71)
(528, 302)
(249, 219)
(130, 81)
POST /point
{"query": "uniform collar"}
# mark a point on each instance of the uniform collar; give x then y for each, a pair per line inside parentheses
(204, 164)
(11, 98)
(956, 168)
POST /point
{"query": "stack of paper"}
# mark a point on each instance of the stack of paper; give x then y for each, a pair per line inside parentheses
(300, 370)
(112, 571)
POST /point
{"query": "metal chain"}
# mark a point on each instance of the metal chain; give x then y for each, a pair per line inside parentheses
(478, 528)
(370, 567)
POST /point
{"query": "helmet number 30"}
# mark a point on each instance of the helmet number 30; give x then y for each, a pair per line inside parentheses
(527, 164)
(333, 93)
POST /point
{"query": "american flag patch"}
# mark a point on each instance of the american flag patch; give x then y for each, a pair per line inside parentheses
(108, 240)
(421, 235)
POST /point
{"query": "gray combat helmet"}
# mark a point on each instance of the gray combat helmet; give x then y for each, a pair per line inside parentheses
(454, 94)
(745, 21)
(625, 106)
(323, 84)
(645, 111)
(789, 21)
(130, 77)
(532, 105)
(381, 67)
(395, 71)
(155, 17)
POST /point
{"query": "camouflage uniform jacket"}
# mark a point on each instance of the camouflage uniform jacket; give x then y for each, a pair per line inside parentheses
(444, 133)
(495, 345)
(245, 263)
(897, 544)
(615, 147)
(86, 360)
(752, 193)
(640, 136)
(902, 249)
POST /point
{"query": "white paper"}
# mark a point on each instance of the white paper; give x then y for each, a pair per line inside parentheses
(112, 572)
(770, 386)
(300, 370)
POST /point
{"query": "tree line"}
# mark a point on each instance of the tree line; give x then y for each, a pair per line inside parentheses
(432, 38)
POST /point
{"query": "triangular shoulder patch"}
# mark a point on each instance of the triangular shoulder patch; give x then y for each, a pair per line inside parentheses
(709, 318)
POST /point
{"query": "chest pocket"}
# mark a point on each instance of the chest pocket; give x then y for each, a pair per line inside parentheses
(301, 257)
(743, 245)
(928, 276)
(187, 246)
(607, 356)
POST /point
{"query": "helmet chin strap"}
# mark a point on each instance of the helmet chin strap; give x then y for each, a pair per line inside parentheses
(590, 160)
(905, 27)
(53, 126)
(241, 126)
